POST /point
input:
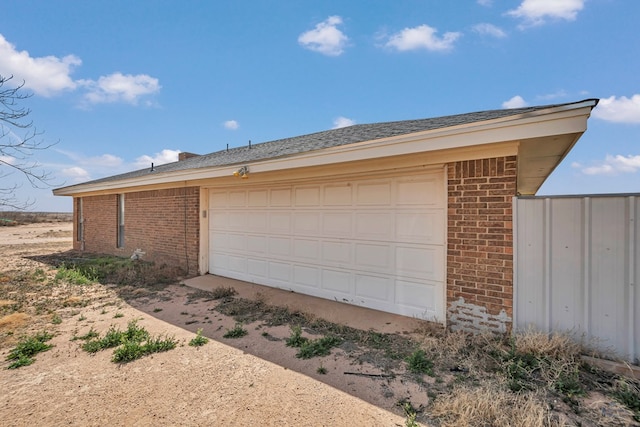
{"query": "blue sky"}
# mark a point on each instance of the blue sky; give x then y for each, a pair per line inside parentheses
(121, 84)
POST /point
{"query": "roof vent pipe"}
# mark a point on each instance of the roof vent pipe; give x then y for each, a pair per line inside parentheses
(151, 167)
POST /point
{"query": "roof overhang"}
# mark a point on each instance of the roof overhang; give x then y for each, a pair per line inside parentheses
(541, 138)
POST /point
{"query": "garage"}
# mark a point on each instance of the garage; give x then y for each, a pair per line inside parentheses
(373, 241)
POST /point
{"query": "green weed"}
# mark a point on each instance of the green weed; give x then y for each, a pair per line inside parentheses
(296, 339)
(199, 340)
(89, 335)
(236, 332)
(56, 319)
(419, 363)
(22, 354)
(629, 395)
(75, 276)
(318, 347)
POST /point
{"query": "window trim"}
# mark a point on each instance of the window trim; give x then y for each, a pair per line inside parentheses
(79, 220)
(120, 222)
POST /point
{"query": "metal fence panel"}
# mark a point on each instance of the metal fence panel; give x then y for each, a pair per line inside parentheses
(576, 262)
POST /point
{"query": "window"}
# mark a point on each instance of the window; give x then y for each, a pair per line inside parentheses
(79, 220)
(120, 242)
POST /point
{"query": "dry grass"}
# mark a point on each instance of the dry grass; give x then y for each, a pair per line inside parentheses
(491, 405)
(555, 346)
(13, 321)
(6, 302)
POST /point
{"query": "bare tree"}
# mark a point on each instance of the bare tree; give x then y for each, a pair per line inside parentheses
(19, 141)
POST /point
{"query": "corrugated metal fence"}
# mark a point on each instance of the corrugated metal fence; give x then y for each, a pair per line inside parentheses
(577, 269)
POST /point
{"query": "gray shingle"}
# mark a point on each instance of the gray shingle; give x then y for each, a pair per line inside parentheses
(321, 140)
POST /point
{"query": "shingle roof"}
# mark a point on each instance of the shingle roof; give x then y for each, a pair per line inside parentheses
(321, 140)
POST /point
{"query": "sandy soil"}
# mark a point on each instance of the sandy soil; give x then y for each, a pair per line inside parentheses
(215, 384)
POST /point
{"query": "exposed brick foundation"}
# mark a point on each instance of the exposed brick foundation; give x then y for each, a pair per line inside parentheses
(162, 223)
(480, 243)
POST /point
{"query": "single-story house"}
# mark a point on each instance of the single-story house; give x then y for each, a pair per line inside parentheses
(411, 217)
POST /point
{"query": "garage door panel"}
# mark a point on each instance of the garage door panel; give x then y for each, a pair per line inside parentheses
(307, 196)
(338, 195)
(420, 227)
(425, 192)
(280, 246)
(339, 224)
(258, 198)
(258, 221)
(337, 252)
(337, 282)
(237, 264)
(280, 272)
(280, 222)
(257, 268)
(374, 193)
(306, 223)
(419, 262)
(237, 199)
(305, 249)
(374, 287)
(408, 294)
(373, 257)
(378, 243)
(306, 276)
(280, 197)
(374, 226)
(237, 220)
(220, 219)
(257, 244)
(218, 200)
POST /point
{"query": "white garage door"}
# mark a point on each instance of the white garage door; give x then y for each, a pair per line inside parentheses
(375, 242)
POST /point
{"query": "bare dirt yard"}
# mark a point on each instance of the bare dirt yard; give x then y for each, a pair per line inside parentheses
(131, 345)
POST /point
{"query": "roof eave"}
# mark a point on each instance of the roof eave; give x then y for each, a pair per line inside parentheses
(557, 120)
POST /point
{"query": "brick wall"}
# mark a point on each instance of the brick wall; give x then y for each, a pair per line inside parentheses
(480, 243)
(162, 223)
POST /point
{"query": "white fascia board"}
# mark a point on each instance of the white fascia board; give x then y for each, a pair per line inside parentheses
(554, 121)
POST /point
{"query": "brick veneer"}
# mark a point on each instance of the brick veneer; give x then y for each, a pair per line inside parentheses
(480, 242)
(162, 223)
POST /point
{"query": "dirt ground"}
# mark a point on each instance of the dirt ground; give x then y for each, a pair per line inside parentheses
(257, 379)
(215, 384)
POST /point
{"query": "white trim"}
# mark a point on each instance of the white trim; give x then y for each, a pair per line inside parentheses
(555, 121)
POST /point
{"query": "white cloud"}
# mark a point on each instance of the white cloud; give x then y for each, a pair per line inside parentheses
(536, 12)
(489, 30)
(515, 102)
(342, 122)
(231, 124)
(104, 160)
(619, 110)
(165, 156)
(325, 38)
(118, 87)
(613, 165)
(422, 37)
(45, 76)
(50, 75)
(76, 173)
